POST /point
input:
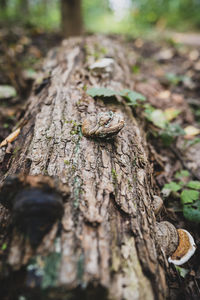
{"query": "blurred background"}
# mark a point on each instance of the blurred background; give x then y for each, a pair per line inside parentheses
(130, 17)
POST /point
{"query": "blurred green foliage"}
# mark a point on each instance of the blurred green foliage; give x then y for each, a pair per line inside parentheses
(100, 17)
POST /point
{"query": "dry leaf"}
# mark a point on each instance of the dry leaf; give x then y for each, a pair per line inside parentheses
(10, 138)
(171, 113)
(191, 131)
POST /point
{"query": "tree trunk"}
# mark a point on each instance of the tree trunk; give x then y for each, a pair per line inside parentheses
(24, 7)
(71, 18)
(104, 245)
(3, 4)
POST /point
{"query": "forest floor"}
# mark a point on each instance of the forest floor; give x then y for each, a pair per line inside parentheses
(167, 72)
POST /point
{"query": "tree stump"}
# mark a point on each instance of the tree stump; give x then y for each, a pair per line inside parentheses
(103, 246)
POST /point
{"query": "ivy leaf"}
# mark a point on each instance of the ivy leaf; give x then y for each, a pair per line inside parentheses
(129, 95)
(101, 92)
(192, 212)
(181, 174)
(189, 196)
(194, 185)
(132, 96)
(170, 187)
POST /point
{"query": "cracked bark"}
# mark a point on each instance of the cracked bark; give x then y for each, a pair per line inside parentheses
(104, 246)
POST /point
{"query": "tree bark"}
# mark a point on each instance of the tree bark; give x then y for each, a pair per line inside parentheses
(71, 18)
(104, 245)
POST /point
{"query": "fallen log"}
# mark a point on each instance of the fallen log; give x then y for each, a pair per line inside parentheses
(102, 243)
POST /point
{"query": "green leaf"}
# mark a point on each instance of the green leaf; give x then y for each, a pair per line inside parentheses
(174, 79)
(172, 186)
(167, 139)
(194, 185)
(192, 212)
(4, 246)
(175, 130)
(7, 91)
(158, 118)
(170, 132)
(192, 142)
(101, 92)
(132, 96)
(30, 74)
(182, 271)
(181, 174)
(148, 110)
(129, 95)
(189, 196)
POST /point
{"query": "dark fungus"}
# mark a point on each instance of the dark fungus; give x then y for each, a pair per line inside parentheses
(34, 204)
(35, 211)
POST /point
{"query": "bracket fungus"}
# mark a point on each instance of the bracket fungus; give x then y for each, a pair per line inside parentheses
(178, 244)
(157, 204)
(166, 237)
(185, 249)
(35, 203)
(103, 125)
(103, 66)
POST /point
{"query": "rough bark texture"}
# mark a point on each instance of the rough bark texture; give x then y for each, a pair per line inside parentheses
(71, 18)
(104, 246)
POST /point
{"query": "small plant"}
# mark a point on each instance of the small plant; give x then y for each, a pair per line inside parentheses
(175, 79)
(170, 132)
(4, 247)
(189, 194)
(161, 119)
(131, 97)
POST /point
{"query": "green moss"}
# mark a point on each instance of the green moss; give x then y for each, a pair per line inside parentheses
(85, 87)
(80, 267)
(114, 175)
(46, 268)
(51, 267)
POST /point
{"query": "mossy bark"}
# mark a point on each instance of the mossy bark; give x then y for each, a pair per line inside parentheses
(104, 246)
